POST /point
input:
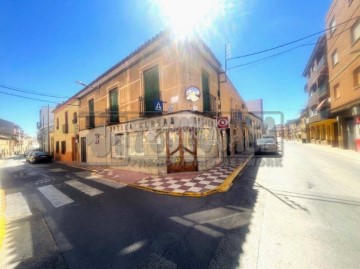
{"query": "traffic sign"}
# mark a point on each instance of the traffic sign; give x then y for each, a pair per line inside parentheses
(222, 122)
(158, 105)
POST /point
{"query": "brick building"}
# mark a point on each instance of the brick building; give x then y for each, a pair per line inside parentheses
(343, 56)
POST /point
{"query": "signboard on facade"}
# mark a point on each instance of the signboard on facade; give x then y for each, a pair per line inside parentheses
(222, 122)
(192, 94)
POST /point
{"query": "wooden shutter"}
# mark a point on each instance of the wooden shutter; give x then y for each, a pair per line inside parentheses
(151, 88)
(206, 91)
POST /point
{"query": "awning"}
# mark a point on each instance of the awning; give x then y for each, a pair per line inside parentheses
(321, 104)
(327, 121)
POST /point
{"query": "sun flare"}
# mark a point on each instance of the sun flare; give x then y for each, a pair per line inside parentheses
(188, 17)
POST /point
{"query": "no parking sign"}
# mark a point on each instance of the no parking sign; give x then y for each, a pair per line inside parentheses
(222, 122)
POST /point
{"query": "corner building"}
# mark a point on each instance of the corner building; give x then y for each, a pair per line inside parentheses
(155, 111)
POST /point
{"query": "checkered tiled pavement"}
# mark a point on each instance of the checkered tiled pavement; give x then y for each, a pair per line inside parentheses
(192, 183)
(202, 182)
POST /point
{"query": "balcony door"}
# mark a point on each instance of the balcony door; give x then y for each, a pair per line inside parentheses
(151, 91)
(113, 112)
(181, 150)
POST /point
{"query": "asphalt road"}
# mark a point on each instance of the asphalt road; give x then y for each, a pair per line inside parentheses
(301, 211)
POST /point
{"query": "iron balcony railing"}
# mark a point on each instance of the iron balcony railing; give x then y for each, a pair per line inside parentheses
(323, 89)
(322, 115)
(90, 122)
(209, 103)
(236, 116)
(112, 115)
(150, 105)
(65, 128)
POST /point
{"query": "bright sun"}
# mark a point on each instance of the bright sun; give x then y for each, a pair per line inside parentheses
(188, 17)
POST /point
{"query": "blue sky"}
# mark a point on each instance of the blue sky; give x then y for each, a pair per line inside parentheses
(46, 46)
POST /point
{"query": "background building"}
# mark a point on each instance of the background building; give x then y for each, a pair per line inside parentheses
(322, 127)
(65, 133)
(45, 129)
(11, 139)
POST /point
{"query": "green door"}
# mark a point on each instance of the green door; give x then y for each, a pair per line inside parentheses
(151, 89)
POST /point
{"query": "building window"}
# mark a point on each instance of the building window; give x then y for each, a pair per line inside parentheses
(336, 91)
(90, 120)
(335, 58)
(355, 31)
(57, 147)
(63, 147)
(74, 120)
(356, 76)
(332, 26)
(118, 146)
(57, 123)
(136, 144)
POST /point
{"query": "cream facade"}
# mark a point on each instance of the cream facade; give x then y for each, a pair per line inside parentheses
(156, 111)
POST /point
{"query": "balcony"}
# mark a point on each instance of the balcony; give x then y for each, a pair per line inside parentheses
(236, 116)
(320, 69)
(322, 115)
(112, 115)
(148, 105)
(323, 89)
(90, 122)
(209, 103)
(314, 99)
(65, 128)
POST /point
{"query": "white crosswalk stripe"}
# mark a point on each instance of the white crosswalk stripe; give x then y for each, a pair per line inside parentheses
(56, 197)
(89, 176)
(83, 187)
(16, 207)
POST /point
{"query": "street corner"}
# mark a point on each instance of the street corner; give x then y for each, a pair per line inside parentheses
(199, 184)
(228, 182)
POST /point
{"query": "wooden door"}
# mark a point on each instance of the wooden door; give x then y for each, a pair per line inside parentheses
(83, 149)
(181, 151)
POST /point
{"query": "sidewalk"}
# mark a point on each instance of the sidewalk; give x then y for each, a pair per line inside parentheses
(217, 179)
(346, 153)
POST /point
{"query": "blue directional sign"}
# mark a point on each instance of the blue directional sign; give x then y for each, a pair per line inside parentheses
(158, 105)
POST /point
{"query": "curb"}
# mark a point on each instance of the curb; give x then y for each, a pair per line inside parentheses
(2, 217)
(225, 186)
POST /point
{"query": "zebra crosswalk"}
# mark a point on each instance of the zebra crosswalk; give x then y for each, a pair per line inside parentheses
(17, 206)
(55, 197)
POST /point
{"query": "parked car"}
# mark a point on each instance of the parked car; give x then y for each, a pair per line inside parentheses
(27, 152)
(266, 144)
(39, 156)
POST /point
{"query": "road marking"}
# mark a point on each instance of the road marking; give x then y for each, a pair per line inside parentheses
(16, 207)
(110, 183)
(83, 187)
(56, 197)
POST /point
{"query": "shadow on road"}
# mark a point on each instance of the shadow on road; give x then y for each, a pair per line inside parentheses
(131, 228)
